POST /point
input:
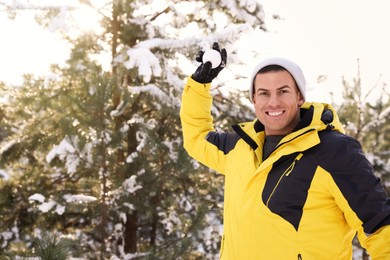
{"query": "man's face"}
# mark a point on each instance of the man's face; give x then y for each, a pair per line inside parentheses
(277, 101)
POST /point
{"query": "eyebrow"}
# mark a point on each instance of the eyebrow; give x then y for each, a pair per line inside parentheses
(280, 88)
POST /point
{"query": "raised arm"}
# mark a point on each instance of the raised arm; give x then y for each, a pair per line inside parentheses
(195, 114)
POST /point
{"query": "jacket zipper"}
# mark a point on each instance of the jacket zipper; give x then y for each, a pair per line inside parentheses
(291, 167)
(285, 173)
(308, 131)
(299, 257)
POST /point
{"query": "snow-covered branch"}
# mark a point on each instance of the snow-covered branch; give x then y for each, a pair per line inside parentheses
(377, 121)
(226, 34)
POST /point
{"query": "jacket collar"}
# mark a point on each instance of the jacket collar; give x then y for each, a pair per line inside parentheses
(315, 117)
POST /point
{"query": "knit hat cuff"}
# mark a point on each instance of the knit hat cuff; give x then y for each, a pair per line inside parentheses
(289, 65)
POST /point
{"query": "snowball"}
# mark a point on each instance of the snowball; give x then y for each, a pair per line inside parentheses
(213, 56)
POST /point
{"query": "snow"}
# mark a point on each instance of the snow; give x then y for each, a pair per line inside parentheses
(148, 65)
(7, 145)
(61, 150)
(43, 206)
(130, 184)
(129, 206)
(79, 198)
(4, 175)
(119, 110)
(204, 42)
(170, 220)
(130, 256)
(66, 151)
(152, 89)
(60, 209)
(185, 204)
(212, 56)
(146, 62)
(141, 138)
(7, 235)
(130, 158)
(46, 206)
(37, 197)
(172, 146)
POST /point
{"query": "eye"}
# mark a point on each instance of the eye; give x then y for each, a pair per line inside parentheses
(262, 93)
(284, 91)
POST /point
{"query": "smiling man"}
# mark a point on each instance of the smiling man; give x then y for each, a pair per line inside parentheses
(276, 98)
(296, 187)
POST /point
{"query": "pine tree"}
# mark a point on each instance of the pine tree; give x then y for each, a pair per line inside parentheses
(98, 154)
(366, 121)
(52, 247)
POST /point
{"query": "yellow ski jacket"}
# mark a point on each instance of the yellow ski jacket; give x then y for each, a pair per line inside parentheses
(306, 200)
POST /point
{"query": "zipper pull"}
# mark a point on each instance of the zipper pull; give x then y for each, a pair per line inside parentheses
(291, 167)
(299, 257)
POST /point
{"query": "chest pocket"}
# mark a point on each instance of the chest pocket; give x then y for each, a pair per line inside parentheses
(287, 186)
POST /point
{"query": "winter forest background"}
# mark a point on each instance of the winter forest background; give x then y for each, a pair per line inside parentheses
(91, 157)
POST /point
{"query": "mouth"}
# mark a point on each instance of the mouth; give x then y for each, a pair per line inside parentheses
(274, 113)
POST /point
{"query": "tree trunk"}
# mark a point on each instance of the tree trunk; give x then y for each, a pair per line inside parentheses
(130, 233)
(131, 225)
(153, 232)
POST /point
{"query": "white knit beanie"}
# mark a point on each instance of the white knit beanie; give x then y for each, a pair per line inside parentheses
(289, 65)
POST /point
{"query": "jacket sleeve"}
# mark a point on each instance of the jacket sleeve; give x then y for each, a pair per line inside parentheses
(377, 244)
(364, 201)
(197, 126)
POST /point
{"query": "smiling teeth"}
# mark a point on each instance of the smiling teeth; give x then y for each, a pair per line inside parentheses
(275, 113)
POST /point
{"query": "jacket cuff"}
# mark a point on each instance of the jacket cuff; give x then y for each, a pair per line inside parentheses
(198, 86)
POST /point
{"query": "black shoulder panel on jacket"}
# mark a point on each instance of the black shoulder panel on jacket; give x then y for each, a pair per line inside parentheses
(224, 141)
(245, 136)
(343, 158)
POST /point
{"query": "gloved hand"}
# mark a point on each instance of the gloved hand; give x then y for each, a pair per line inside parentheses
(205, 73)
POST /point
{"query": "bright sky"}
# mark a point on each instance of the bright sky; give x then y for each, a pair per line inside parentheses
(325, 37)
(26, 48)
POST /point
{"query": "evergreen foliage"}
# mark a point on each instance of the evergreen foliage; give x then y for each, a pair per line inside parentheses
(366, 119)
(52, 247)
(96, 155)
(367, 122)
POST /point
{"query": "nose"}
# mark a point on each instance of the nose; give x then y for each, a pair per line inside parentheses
(273, 100)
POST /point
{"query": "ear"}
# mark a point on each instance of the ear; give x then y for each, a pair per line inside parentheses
(301, 100)
(253, 99)
(253, 94)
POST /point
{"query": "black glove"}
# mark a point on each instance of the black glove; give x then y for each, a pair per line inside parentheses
(204, 73)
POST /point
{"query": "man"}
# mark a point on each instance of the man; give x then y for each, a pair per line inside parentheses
(296, 187)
